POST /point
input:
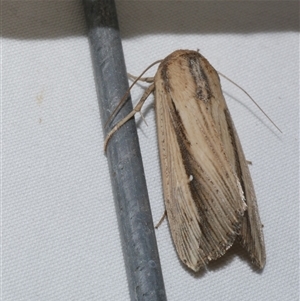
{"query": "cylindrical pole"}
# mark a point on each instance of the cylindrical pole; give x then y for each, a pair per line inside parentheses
(123, 153)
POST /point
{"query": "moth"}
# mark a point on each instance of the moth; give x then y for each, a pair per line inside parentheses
(209, 195)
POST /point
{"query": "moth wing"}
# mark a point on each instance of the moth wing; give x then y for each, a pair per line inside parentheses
(251, 236)
(203, 196)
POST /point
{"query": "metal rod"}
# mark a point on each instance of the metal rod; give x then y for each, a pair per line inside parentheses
(126, 169)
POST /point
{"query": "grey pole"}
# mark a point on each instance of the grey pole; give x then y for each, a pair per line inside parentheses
(123, 153)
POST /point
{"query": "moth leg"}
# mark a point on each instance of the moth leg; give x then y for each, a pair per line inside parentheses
(143, 118)
(136, 109)
(249, 162)
(143, 79)
(161, 219)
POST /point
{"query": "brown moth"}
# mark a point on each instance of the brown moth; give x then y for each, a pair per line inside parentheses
(208, 191)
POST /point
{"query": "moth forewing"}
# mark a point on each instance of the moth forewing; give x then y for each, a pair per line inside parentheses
(251, 236)
(208, 191)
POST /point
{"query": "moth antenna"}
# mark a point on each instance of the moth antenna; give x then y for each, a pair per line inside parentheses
(251, 99)
(143, 79)
(124, 98)
(136, 109)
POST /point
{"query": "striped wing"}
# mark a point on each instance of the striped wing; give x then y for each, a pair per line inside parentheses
(251, 236)
(203, 194)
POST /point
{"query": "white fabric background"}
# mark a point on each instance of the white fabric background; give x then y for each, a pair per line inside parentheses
(60, 233)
